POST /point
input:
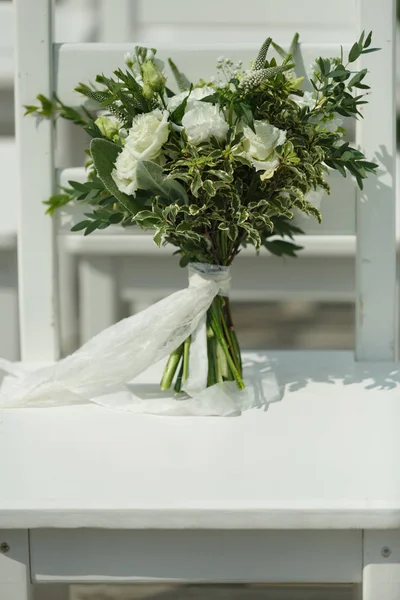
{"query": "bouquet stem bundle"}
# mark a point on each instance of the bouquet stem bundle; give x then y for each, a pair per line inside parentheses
(223, 351)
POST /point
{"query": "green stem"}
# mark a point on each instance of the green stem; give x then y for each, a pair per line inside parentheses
(224, 249)
(228, 337)
(186, 353)
(232, 333)
(171, 367)
(212, 377)
(236, 349)
(216, 356)
(223, 364)
(178, 383)
(220, 337)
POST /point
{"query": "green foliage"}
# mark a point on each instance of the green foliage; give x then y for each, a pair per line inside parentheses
(55, 108)
(208, 199)
(55, 202)
(181, 80)
(334, 81)
(178, 113)
(150, 177)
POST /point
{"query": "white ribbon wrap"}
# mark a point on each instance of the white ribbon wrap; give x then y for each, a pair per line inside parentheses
(101, 369)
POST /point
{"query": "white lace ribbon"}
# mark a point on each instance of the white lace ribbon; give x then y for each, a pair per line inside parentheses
(101, 369)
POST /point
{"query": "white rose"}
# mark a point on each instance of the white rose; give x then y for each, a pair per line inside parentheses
(203, 121)
(145, 139)
(124, 173)
(148, 134)
(302, 101)
(259, 146)
(196, 95)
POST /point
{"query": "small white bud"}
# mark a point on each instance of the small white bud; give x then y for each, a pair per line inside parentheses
(129, 59)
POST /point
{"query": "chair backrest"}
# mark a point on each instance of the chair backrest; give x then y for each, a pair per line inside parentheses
(46, 67)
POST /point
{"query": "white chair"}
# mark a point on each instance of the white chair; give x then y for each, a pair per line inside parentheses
(307, 491)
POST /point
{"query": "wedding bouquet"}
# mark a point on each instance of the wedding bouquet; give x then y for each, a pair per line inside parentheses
(212, 166)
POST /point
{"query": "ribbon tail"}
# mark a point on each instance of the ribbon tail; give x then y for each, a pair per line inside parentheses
(115, 356)
(12, 368)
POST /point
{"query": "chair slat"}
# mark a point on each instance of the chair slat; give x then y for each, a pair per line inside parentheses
(287, 13)
(36, 254)
(376, 206)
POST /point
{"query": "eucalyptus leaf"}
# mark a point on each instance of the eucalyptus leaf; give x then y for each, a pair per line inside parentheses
(150, 177)
(355, 52)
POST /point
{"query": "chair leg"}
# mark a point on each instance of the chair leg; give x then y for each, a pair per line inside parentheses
(15, 581)
(381, 573)
(98, 295)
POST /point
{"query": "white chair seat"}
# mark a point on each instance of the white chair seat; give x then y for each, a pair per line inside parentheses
(325, 456)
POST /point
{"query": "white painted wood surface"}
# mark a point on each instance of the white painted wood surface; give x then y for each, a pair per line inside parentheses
(376, 306)
(6, 44)
(9, 338)
(8, 193)
(184, 556)
(75, 21)
(120, 243)
(36, 252)
(324, 457)
(222, 21)
(381, 576)
(15, 566)
(116, 22)
(99, 296)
